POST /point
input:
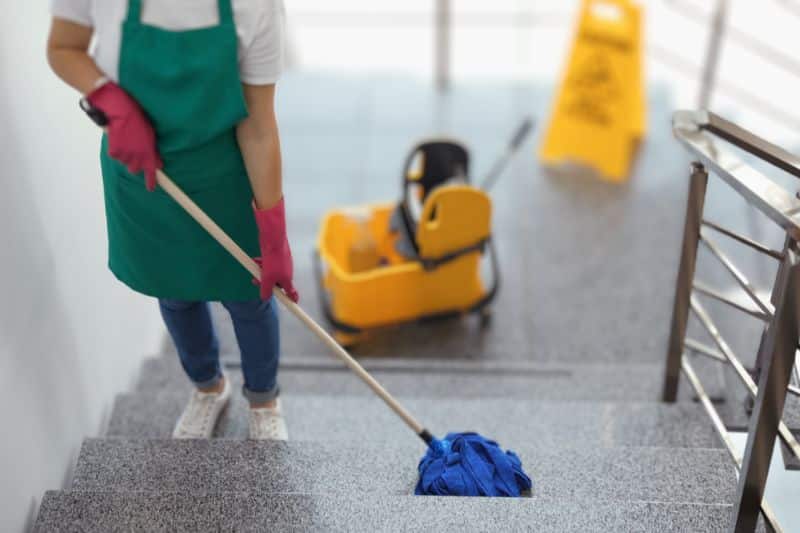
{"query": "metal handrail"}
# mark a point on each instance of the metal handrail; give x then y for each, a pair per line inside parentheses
(751, 143)
(708, 137)
(744, 376)
(757, 246)
(722, 32)
(692, 71)
(700, 348)
(722, 433)
(772, 55)
(740, 278)
(717, 295)
(696, 130)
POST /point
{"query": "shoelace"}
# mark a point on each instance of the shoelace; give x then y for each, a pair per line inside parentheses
(198, 412)
(265, 419)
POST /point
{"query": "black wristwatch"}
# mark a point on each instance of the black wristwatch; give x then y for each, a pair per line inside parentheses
(97, 115)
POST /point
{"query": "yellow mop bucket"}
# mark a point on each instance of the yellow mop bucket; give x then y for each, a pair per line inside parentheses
(445, 280)
(378, 265)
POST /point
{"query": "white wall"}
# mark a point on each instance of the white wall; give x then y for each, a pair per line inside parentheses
(71, 336)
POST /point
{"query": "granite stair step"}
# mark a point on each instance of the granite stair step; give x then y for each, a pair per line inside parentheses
(451, 378)
(593, 473)
(90, 512)
(339, 417)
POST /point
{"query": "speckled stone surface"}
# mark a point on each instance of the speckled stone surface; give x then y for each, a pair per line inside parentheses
(90, 512)
(341, 417)
(548, 381)
(654, 474)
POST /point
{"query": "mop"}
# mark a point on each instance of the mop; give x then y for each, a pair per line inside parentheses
(461, 464)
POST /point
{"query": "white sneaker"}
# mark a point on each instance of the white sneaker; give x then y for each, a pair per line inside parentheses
(267, 423)
(201, 414)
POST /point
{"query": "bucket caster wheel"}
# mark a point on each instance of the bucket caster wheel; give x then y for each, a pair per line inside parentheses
(347, 340)
(485, 317)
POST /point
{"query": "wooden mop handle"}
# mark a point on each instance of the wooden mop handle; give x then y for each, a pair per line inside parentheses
(252, 267)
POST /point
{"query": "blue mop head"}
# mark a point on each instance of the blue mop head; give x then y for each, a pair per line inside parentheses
(467, 464)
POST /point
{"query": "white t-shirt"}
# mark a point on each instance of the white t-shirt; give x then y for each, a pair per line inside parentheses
(260, 26)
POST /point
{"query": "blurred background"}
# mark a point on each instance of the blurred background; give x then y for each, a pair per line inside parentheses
(528, 41)
(364, 81)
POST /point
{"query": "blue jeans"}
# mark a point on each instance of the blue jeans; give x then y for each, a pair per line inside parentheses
(256, 326)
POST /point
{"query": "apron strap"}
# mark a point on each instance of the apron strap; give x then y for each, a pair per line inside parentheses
(225, 12)
(134, 11)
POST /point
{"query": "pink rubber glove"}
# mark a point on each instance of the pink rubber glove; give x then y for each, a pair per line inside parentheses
(276, 257)
(131, 138)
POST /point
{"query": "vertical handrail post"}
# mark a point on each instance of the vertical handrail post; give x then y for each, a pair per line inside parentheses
(762, 354)
(777, 354)
(716, 33)
(443, 41)
(683, 289)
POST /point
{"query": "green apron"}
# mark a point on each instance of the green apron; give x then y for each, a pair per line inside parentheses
(188, 84)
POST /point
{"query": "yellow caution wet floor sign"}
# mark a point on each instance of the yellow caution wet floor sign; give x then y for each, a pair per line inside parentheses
(599, 112)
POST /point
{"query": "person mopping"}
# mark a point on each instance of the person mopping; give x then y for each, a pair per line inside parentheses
(188, 86)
